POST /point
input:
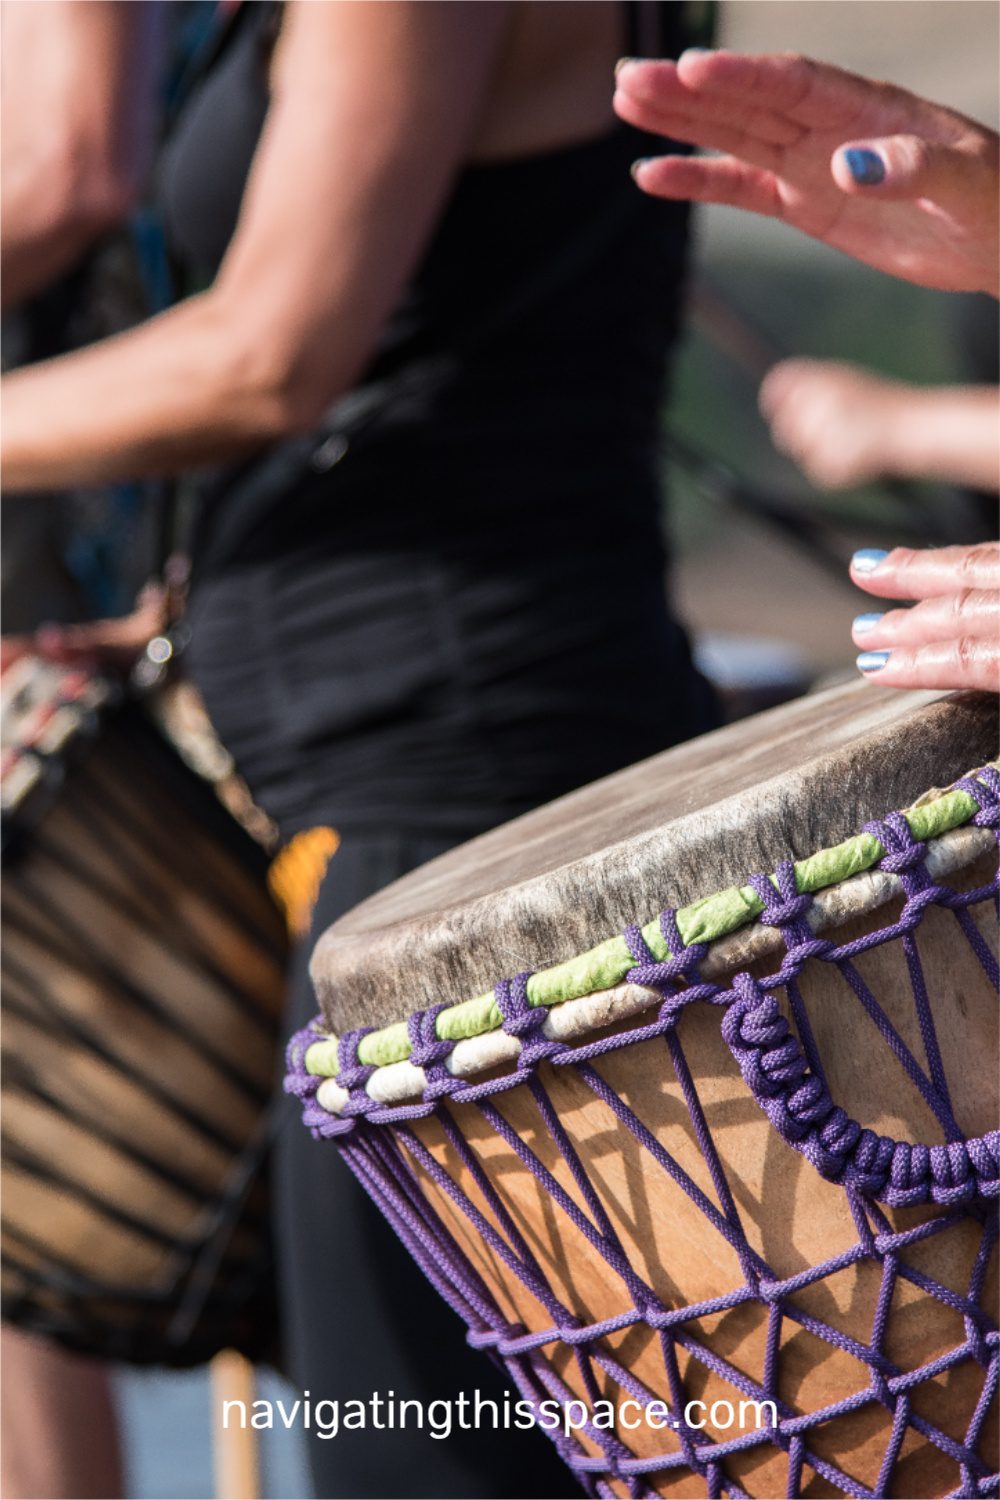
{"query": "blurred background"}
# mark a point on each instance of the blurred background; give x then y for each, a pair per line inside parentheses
(765, 292)
(792, 296)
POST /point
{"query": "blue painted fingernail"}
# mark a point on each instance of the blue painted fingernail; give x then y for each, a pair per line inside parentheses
(866, 167)
(861, 623)
(868, 559)
(872, 661)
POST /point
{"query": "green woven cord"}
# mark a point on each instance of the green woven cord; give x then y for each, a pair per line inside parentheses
(704, 921)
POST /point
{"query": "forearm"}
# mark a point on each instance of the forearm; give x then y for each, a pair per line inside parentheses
(950, 433)
(39, 243)
(189, 388)
(312, 271)
(77, 129)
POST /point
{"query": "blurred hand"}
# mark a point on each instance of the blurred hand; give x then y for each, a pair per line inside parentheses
(831, 418)
(844, 425)
(899, 183)
(951, 636)
(109, 645)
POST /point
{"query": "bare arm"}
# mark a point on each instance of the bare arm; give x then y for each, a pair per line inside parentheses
(373, 108)
(845, 425)
(76, 124)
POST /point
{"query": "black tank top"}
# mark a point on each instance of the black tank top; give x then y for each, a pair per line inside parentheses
(448, 605)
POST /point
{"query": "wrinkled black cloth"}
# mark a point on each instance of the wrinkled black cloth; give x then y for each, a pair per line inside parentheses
(360, 1317)
(456, 588)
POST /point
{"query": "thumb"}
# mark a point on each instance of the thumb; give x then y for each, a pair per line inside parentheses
(895, 167)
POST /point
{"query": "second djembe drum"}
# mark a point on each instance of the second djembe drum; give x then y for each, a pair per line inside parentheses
(683, 1092)
(143, 969)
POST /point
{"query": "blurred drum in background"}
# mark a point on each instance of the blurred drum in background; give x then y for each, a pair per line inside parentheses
(143, 975)
(723, 1186)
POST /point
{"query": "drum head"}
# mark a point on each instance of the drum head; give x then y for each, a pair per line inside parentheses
(685, 824)
(753, 1160)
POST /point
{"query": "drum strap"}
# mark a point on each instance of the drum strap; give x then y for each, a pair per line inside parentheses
(297, 872)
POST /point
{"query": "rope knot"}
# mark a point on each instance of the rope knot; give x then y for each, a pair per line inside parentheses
(783, 907)
(425, 1047)
(905, 859)
(902, 851)
(984, 789)
(681, 964)
(984, 1153)
(523, 1020)
(427, 1051)
(952, 1176)
(352, 1073)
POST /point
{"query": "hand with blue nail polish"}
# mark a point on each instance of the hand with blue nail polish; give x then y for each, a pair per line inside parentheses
(950, 637)
(900, 183)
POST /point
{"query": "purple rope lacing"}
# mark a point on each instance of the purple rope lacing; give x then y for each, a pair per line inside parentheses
(781, 1067)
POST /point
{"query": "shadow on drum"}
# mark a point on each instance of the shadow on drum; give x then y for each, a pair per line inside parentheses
(754, 1162)
(143, 974)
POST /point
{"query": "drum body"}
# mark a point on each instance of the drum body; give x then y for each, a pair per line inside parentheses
(721, 1189)
(143, 965)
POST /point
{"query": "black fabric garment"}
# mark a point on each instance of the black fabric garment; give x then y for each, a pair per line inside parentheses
(457, 587)
(360, 1317)
(445, 607)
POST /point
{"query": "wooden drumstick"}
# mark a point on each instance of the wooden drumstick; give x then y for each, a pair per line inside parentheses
(236, 1458)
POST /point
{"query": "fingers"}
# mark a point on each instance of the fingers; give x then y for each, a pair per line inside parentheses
(65, 645)
(113, 642)
(968, 662)
(794, 89)
(720, 179)
(780, 382)
(973, 613)
(905, 573)
(951, 639)
(713, 135)
(899, 167)
(834, 419)
(797, 395)
(651, 96)
(12, 648)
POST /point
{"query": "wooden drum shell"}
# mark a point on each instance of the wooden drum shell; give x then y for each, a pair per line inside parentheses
(695, 821)
(143, 974)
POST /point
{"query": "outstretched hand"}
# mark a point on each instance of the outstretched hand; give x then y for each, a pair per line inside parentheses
(895, 181)
(950, 638)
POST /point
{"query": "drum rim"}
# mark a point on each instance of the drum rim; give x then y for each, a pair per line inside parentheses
(938, 819)
(334, 1082)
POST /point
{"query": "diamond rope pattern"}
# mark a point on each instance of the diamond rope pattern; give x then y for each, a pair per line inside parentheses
(567, 1358)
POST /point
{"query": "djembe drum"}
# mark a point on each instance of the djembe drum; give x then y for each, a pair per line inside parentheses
(722, 1187)
(143, 975)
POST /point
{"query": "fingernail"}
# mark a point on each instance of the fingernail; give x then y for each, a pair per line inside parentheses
(642, 162)
(623, 62)
(866, 167)
(861, 623)
(868, 559)
(872, 661)
(693, 51)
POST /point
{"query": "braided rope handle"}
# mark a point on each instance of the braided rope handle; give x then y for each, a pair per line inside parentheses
(799, 1106)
